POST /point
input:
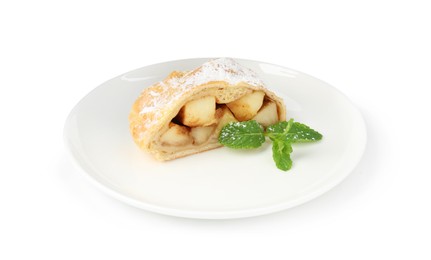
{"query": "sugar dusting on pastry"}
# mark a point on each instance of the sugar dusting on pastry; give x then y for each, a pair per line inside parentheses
(222, 69)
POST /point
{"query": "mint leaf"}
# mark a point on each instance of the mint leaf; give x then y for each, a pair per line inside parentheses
(281, 154)
(302, 133)
(279, 130)
(293, 132)
(242, 135)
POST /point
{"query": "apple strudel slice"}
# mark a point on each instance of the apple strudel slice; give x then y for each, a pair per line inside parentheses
(184, 113)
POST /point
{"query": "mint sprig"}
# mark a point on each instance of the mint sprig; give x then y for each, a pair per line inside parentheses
(249, 134)
(281, 154)
(242, 135)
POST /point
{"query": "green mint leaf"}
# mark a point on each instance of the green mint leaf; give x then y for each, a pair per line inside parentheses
(302, 133)
(242, 135)
(293, 132)
(279, 130)
(281, 154)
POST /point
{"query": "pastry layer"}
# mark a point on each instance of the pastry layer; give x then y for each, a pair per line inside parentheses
(184, 113)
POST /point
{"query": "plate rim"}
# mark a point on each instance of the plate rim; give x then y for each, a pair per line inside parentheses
(209, 214)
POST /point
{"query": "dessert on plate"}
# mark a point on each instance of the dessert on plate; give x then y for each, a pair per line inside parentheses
(184, 113)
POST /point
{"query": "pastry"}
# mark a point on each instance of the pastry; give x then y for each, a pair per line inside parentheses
(184, 113)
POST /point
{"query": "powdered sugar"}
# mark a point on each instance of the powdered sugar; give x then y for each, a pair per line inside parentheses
(154, 94)
(222, 69)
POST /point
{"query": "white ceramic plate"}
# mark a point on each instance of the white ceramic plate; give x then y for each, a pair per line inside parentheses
(221, 183)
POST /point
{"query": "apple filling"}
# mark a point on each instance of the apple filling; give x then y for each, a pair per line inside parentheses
(200, 120)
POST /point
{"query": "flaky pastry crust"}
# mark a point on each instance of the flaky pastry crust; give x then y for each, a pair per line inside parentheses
(160, 103)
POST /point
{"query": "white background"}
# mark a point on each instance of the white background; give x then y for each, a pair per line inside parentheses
(54, 52)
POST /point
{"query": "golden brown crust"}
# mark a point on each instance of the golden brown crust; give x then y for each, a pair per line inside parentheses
(158, 104)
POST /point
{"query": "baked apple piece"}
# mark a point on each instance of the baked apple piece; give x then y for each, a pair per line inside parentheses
(176, 135)
(201, 134)
(198, 112)
(224, 116)
(246, 107)
(268, 114)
